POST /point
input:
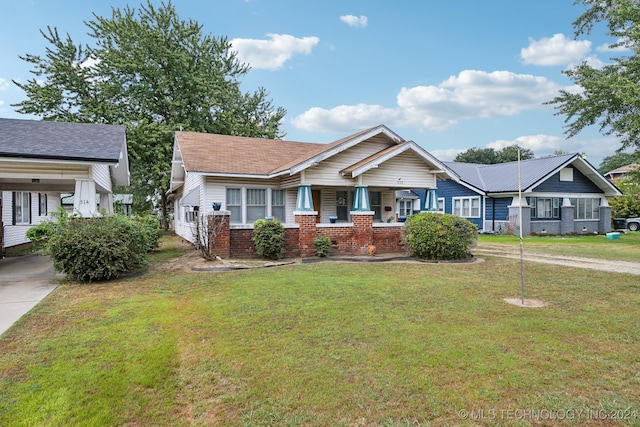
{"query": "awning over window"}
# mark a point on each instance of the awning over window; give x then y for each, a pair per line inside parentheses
(192, 198)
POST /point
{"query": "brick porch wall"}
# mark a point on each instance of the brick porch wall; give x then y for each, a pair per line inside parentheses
(346, 240)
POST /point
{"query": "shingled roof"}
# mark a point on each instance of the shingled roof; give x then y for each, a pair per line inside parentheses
(61, 140)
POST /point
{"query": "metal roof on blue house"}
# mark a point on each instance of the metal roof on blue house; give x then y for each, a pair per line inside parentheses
(503, 177)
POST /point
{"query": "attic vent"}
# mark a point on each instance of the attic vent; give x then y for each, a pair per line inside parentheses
(566, 174)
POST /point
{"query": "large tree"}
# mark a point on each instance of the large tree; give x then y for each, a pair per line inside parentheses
(489, 156)
(609, 96)
(154, 73)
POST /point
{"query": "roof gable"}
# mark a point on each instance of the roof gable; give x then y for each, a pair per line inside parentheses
(503, 177)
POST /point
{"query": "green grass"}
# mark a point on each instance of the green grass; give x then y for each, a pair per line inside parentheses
(338, 344)
(627, 248)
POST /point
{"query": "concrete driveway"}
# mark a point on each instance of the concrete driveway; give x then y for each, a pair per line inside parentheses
(24, 282)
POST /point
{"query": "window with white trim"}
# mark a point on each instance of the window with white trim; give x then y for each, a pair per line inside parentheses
(375, 198)
(278, 205)
(21, 207)
(190, 215)
(342, 205)
(405, 207)
(441, 204)
(42, 204)
(587, 208)
(544, 207)
(466, 207)
(256, 204)
(234, 204)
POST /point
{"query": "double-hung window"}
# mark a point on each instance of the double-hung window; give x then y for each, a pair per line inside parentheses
(42, 204)
(342, 205)
(406, 207)
(277, 204)
(588, 208)
(375, 198)
(21, 207)
(544, 207)
(466, 207)
(256, 204)
(234, 204)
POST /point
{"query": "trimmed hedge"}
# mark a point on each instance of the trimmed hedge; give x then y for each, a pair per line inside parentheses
(437, 236)
(101, 248)
(268, 237)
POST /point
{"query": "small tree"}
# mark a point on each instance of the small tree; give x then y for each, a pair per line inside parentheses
(627, 205)
(205, 230)
(438, 236)
(268, 236)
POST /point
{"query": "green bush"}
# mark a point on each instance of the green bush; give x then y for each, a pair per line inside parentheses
(438, 236)
(322, 245)
(91, 249)
(268, 237)
(151, 229)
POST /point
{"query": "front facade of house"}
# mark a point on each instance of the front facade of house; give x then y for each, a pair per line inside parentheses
(41, 160)
(560, 195)
(329, 189)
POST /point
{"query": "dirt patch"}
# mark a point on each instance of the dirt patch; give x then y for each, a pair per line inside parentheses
(193, 261)
(530, 303)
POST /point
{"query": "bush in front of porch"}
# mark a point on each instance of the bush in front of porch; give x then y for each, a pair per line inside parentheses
(437, 236)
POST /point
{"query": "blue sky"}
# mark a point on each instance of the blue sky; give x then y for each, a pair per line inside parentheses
(447, 75)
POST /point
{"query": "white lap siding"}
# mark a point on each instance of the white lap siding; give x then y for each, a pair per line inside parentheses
(17, 234)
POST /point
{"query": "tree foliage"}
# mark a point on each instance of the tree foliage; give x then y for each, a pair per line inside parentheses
(609, 96)
(627, 205)
(489, 156)
(617, 160)
(154, 73)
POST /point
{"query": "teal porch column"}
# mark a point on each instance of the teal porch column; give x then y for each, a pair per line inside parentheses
(361, 199)
(304, 201)
(431, 200)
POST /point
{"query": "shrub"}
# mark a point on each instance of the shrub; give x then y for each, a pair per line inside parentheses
(438, 236)
(90, 249)
(322, 245)
(268, 236)
(151, 230)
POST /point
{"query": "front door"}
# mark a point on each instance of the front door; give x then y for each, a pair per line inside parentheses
(315, 196)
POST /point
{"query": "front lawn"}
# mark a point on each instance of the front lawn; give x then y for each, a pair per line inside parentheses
(626, 248)
(340, 344)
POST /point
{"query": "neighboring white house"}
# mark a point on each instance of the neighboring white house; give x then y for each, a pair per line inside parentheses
(39, 160)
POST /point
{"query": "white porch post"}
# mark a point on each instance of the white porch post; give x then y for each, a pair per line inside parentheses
(84, 199)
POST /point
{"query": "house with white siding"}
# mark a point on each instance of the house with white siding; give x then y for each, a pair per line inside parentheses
(333, 184)
(561, 194)
(40, 160)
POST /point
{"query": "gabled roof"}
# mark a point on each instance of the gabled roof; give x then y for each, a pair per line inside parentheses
(503, 177)
(34, 139)
(623, 169)
(237, 155)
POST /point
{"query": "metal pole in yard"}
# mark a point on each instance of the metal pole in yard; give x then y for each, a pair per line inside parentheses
(520, 220)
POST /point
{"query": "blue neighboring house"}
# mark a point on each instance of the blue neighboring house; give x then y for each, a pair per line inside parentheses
(560, 195)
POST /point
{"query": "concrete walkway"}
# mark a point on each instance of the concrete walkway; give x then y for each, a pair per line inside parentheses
(24, 282)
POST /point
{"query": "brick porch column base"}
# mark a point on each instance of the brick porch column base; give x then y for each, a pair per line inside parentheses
(362, 231)
(307, 232)
(221, 245)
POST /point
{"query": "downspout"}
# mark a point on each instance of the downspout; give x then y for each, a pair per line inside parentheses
(493, 214)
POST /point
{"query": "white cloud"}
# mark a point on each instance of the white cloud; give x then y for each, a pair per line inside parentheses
(622, 46)
(4, 84)
(273, 53)
(355, 21)
(557, 50)
(469, 95)
(536, 143)
(345, 118)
